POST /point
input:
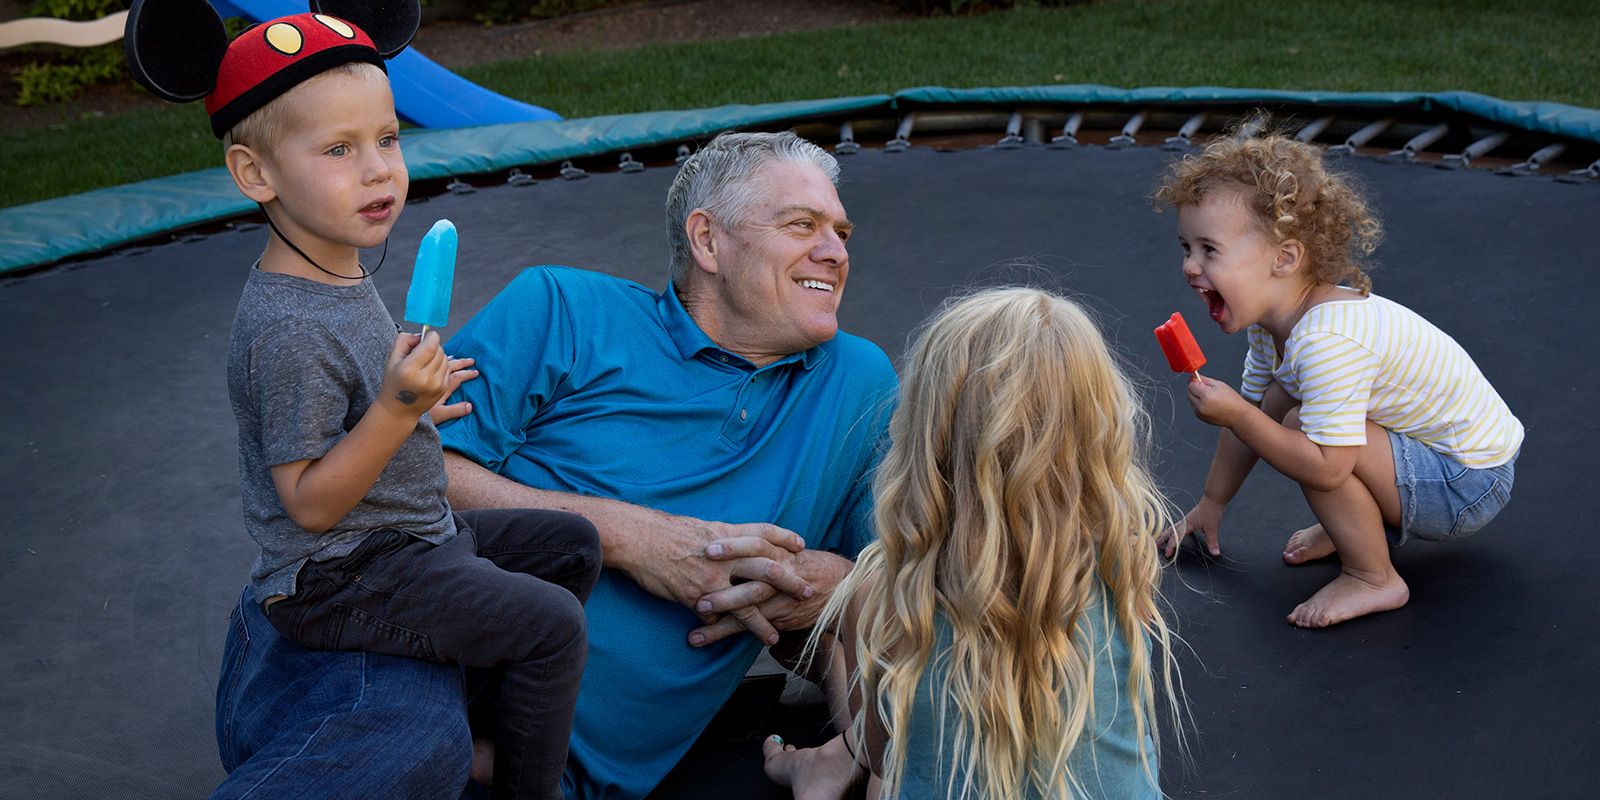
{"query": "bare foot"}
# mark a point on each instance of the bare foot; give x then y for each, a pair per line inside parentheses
(482, 761)
(815, 773)
(1348, 597)
(1306, 545)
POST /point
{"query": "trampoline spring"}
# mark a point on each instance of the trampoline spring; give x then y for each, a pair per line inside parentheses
(1185, 138)
(572, 173)
(1033, 130)
(458, 186)
(683, 154)
(1251, 127)
(1313, 129)
(902, 135)
(519, 178)
(847, 141)
(1361, 137)
(242, 226)
(1421, 141)
(1013, 138)
(1069, 132)
(1591, 171)
(1536, 160)
(1129, 130)
(628, 164)
(1475, 150)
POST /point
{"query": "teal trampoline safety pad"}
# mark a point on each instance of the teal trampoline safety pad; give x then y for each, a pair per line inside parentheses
(1555, 119)
(51, 230)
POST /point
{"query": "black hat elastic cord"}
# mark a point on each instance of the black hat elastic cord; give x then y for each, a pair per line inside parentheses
(364, 273)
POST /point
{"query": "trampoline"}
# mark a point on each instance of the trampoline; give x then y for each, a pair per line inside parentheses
(123, 546)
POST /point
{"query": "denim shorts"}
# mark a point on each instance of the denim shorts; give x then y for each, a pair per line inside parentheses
(1441, 499)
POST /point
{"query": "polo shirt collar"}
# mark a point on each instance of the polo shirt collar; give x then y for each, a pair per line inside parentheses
(690, 340)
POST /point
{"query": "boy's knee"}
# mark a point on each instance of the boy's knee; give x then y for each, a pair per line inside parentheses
(586, 551)
(559, 630)
(585, 536)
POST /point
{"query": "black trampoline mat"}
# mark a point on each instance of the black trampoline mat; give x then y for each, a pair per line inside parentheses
(124, 549)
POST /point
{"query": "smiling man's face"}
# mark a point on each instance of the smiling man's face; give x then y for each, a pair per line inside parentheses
(777, 275)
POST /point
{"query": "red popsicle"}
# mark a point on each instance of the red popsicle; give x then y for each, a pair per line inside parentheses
(1183, 352)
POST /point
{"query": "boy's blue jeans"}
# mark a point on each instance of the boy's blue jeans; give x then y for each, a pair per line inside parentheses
(505, 593)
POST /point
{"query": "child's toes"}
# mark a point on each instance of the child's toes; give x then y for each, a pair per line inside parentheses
(773, 745)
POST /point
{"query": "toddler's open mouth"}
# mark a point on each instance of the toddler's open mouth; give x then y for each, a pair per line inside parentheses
(1214, 303)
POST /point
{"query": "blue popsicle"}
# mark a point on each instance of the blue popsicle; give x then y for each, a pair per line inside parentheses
(428, 299)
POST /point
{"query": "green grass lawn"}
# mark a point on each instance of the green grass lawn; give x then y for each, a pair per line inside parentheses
(1499, 49)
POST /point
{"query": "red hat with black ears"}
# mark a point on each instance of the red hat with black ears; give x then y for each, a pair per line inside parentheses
(180, 51)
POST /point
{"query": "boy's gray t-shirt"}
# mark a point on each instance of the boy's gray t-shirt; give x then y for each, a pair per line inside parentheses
(305, 361)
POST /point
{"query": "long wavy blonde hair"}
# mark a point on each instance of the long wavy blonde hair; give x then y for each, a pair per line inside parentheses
(1016, 478)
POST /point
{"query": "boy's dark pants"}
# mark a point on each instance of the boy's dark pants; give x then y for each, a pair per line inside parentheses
(506, 592)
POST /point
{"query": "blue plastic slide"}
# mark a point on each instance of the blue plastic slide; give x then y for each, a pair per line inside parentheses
(425, 93)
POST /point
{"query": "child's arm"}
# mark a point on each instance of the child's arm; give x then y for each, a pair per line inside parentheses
(1229, 467)
(319, 492)
(870, 754)
(1307, 463)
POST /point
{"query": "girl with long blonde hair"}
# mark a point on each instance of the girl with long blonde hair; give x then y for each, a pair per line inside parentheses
(1000, 634)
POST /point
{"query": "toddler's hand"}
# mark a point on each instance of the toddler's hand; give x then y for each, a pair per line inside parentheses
(1205, 519)
(1216, 402)
(417, 375)
(460, 372)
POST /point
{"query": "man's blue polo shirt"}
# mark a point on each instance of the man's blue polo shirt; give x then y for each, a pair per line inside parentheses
(599, 386)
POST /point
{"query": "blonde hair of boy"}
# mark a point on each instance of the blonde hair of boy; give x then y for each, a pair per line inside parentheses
(265, 126)
(1291, 194)
(1017, 476)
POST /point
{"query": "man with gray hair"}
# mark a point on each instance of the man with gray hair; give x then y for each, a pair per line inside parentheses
(718, 433)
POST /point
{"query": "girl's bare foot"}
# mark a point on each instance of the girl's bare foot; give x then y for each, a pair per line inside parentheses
(1307, 544)
(1347, 597)
(815, 773)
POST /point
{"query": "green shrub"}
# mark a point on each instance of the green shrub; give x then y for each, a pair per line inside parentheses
(60, 80)
(490, 12)
(931, 8)
(74, 9)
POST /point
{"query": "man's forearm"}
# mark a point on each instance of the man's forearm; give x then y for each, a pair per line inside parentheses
(474, 487)
(664, 553)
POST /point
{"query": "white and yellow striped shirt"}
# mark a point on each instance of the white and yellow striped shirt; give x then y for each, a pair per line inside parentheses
(1348, 361)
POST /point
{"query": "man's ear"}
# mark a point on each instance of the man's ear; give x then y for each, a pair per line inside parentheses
(1291, 258)
(702, 240)
(249, 173)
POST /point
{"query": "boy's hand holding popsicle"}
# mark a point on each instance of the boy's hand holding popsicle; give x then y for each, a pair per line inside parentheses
(428, 305)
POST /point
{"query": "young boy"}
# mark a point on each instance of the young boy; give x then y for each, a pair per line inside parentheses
(341, 474)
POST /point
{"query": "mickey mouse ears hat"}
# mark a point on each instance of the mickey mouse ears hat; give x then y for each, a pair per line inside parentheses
(179, 50)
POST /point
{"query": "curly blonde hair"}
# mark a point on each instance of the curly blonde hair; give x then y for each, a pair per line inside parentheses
(1017, 483)
(1292, 195)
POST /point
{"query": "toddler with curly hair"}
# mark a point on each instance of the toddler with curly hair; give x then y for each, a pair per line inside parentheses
(1386, 423)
